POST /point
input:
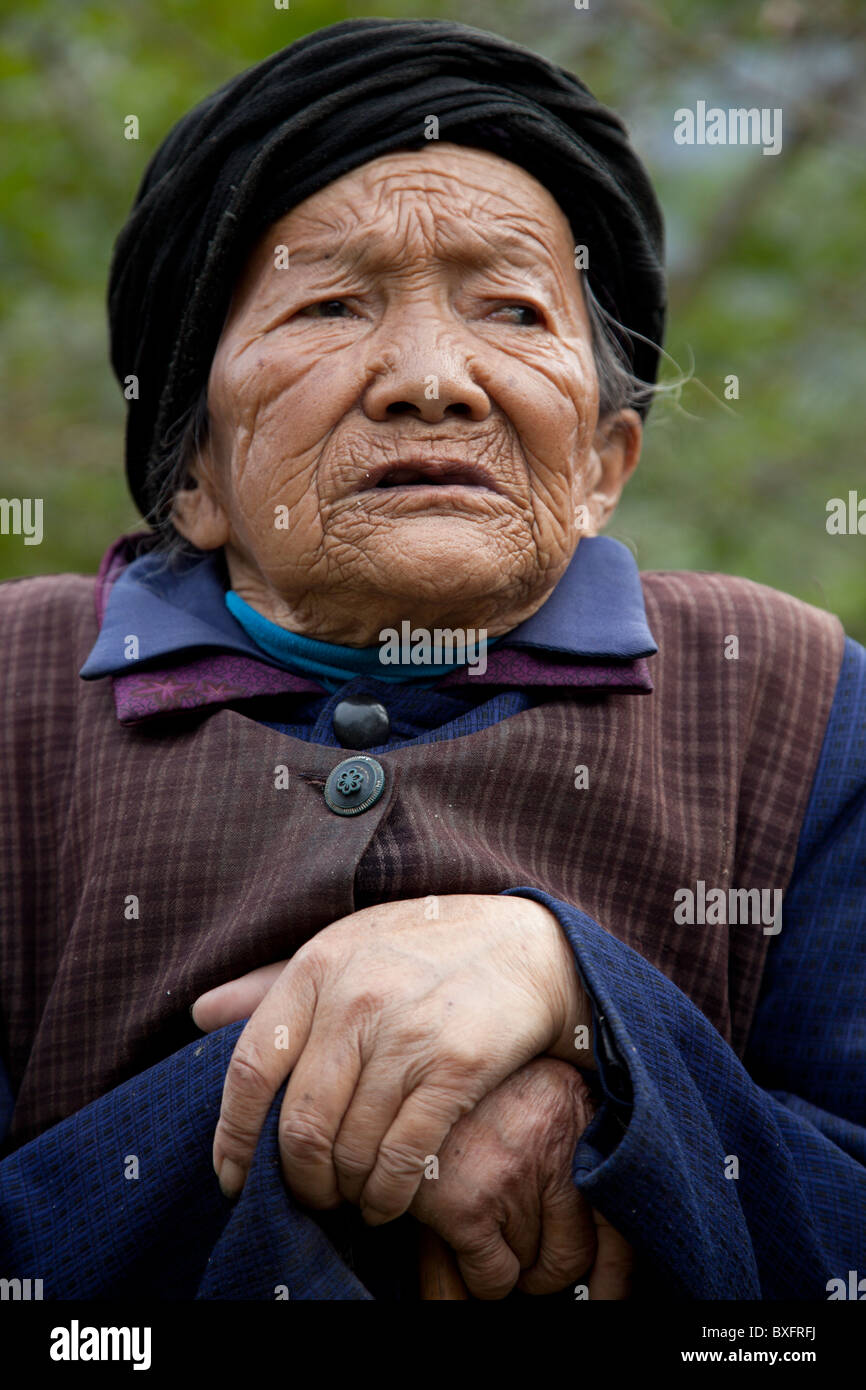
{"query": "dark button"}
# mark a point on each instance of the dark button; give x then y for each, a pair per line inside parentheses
(354, 785)
(361, 721)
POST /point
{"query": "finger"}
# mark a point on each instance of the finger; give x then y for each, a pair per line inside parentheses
(421, 1128)
(475, 1190)
(567, 1244)
(489, 1266)
(522, 1228)
(319, 1092)
(236, 999)
(373, 1108)
(611, 1274)
(265, 1053)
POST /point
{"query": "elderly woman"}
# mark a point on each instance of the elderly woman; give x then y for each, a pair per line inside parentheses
(368, 752)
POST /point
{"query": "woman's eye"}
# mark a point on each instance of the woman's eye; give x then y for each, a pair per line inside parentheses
(328, 309)
(523, 314)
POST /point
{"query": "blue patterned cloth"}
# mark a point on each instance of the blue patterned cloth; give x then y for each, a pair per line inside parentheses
(681, 1115)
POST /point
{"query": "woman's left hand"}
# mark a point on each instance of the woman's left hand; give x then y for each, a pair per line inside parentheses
(503, 1197)
(392, 1027)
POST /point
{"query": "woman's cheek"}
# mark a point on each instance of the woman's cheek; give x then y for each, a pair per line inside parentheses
(552, 392)
(553, 435)
(302, 387)
(276, 491)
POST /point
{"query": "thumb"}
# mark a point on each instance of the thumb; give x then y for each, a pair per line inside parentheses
(236, 999)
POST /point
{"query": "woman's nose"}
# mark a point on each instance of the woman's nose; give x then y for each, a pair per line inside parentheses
(424, 379)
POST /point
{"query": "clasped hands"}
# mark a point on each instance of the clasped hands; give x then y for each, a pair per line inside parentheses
(403, 1038)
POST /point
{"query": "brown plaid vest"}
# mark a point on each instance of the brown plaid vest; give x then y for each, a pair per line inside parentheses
(707, 778)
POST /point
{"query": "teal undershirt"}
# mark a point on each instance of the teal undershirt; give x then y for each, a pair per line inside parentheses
(331, 663)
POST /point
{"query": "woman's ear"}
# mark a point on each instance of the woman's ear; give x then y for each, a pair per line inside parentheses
(615, 454)
(197, 512)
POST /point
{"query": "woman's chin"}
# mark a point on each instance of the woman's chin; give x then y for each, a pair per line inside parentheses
(452, 569)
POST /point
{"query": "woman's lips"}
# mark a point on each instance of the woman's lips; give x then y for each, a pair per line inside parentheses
(427, 495)
(411, 477)
(427, 474)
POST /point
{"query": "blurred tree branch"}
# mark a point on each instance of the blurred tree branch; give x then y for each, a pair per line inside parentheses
(679, 47)
(740, 207)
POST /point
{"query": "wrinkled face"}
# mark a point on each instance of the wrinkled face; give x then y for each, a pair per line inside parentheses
(403, 405)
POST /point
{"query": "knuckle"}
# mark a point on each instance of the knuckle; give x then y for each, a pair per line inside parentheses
(563, 1265)
(397, 1161)
(450, 1095)
(235, 1136)
(249, 1074)
(463, 1060)
(313, 963)
(559, 1263)
(350, 1161)
(559, 1084)
(363, 1006)
(550, 1076)
(554, 1273)
(303, 1136)
(313, 953)
(490, 1271)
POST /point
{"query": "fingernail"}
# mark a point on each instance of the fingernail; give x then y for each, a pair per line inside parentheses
(231, 1178)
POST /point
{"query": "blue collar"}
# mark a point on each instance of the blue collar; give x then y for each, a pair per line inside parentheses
(596, 611)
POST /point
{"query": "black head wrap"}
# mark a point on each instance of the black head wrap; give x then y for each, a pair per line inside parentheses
(333, 100)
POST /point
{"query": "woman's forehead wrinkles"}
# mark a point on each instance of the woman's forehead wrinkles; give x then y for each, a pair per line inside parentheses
(491, 246)
(369, 197)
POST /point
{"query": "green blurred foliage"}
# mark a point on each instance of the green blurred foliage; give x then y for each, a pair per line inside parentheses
(765, 256)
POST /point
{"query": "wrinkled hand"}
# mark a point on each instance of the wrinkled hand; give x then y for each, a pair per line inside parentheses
(504, 1198)
(390, 1027)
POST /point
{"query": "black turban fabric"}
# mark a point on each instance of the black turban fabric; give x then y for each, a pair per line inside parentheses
(333, 100)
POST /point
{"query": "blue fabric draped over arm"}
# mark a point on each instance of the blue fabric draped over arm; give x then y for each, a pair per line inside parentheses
(679, 1104)
(120, 1200)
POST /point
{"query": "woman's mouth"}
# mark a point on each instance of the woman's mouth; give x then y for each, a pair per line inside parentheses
(429, 473)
